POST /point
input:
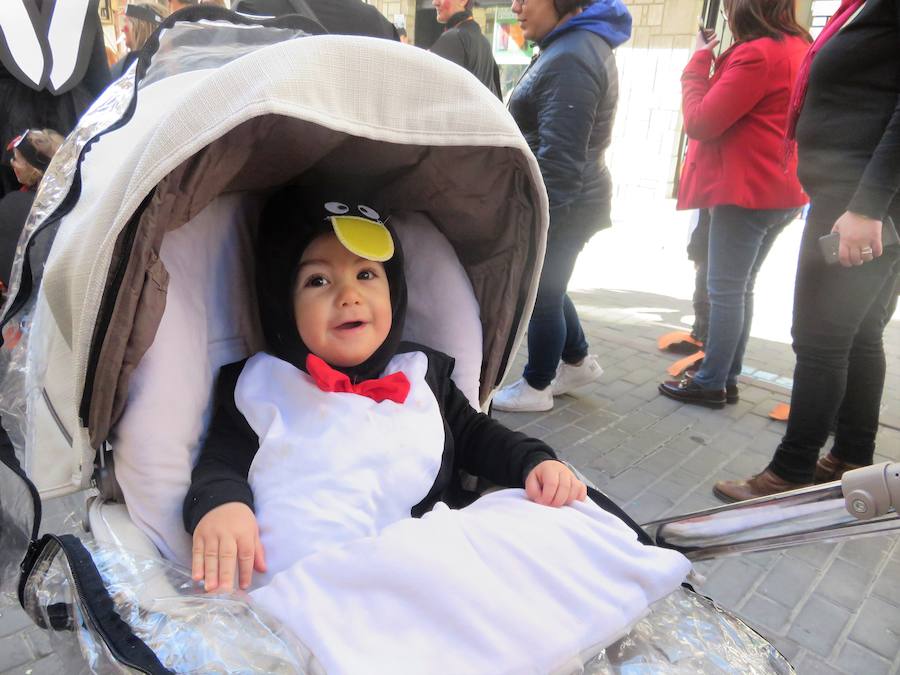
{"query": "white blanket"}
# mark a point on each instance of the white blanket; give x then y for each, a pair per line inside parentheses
(503, 586)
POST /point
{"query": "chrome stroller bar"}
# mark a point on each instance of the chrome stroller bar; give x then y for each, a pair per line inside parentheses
(864, 503)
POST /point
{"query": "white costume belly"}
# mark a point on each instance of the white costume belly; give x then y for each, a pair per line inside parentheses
(334, 467)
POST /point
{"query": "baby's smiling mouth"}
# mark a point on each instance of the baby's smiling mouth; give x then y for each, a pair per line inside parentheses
(350, 325)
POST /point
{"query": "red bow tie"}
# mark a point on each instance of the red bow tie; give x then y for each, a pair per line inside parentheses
(394, 386)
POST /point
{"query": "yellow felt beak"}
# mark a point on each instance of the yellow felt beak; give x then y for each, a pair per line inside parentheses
(366, 238)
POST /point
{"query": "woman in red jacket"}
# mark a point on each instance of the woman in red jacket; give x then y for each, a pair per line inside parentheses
(735, 166)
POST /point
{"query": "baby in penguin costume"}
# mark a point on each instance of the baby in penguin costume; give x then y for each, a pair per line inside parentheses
(330, 459)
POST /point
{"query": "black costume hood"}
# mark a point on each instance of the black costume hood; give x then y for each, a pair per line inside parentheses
(291, 219)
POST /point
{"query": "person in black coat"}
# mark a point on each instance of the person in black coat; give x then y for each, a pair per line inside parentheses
(341, 17)
(565, 105)
(31, 154)
(463, 43)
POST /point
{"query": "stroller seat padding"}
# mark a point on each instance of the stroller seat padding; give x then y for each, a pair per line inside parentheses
(210, 320)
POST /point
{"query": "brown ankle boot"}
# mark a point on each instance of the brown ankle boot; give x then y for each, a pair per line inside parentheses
(829, 468)
(761, 485)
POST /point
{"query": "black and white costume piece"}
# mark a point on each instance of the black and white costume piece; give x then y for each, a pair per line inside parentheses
(367, 564)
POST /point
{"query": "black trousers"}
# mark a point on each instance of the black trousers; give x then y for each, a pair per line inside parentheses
(839, 319)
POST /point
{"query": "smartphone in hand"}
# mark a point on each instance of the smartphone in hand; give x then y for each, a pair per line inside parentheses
(707, 33)
(830, 244)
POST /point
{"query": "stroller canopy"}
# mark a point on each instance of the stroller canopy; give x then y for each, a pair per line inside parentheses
(220, 111)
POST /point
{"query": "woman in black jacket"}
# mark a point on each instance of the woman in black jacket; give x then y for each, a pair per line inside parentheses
(845, 117)
(564, 105)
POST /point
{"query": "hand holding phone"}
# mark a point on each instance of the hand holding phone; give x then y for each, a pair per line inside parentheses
(706, 37)
(830, 244)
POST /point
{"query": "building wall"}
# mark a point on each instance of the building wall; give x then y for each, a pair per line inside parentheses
(644, 150)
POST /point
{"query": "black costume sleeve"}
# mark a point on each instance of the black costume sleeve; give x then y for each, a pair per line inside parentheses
(488, 449)
(220, 475)
(450, 46)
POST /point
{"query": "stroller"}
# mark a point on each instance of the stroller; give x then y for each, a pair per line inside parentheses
(133, 285)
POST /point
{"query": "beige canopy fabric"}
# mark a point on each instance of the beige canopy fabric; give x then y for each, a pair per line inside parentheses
(421, 130)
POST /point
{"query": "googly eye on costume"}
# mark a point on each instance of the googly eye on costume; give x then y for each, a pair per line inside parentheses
(368, 212)
(337, 208)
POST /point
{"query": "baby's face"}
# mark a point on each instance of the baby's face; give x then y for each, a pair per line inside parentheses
(342, 303)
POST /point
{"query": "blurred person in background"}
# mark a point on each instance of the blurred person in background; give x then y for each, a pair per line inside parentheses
(139, 22)
(463, 43)
(735, 120)
(31, 152)
(47, 78)
(846, 121)
(565, 105)
(341, 17)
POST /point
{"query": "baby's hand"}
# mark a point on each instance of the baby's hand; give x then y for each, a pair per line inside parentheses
(227, 535)
(552, 483)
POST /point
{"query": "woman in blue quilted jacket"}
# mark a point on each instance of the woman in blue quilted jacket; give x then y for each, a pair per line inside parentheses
(565, 105)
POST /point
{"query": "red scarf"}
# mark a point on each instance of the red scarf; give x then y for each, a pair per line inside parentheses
(798, 97)
(394, 387)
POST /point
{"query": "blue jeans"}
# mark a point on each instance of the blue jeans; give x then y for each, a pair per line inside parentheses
(554, 331)
(739, 241)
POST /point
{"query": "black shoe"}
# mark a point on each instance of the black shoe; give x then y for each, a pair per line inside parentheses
(686, 391)
(732, 393)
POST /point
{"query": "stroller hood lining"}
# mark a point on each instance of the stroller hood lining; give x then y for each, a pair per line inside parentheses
(484, 205)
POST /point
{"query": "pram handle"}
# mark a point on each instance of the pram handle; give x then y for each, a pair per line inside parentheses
(864, 503)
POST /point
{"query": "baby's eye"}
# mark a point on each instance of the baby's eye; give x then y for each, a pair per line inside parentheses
(316, 281)
(366, 275)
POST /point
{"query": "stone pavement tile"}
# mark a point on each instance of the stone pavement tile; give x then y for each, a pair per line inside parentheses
(888, 585)
(49, 665)
(617, 460)
(876, 628)
(661, 406)
(616, 388)
(635, 422)
(819, 625)
(810, 664)
(814, 554)
(685, 442)
(625, 404)
(39, 640)
(704, 461)
(749, 425)
(605, 440)
(628, 484)
(675, 485)
(731, 581)
(564, 438)
(581, 455)
(844, 584)
(559, 418)
(641, 375)
(660, 462)
(854, 658)
(534, 430)
(12, 619)
(788, 581)
(595, 421)
(648, 506)
(752, 394)
(768, 616)
(673, 423)
(647, 440)
(867, 551)
(14, 651)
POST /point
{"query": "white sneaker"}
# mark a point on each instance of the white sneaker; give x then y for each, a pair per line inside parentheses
(522, 397)
(572, 377)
